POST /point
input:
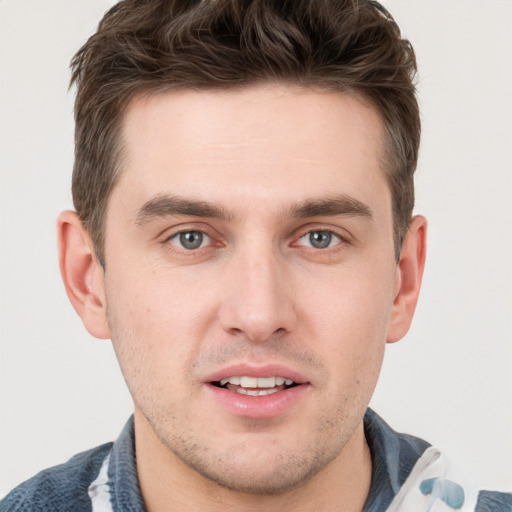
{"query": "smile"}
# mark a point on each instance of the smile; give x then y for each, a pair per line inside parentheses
(255, 386)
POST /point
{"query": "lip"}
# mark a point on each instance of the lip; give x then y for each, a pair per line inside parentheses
(257, 407)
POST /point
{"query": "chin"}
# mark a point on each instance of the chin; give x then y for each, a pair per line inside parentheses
(285, 473)
(250, 465)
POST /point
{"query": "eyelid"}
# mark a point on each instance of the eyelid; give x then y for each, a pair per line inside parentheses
(185, 227)
(167, 235)
(178, 233)
(334, 234)
(340, 233)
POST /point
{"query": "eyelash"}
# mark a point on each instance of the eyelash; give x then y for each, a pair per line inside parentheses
(168, 242)
(331, 234)
(341, 241)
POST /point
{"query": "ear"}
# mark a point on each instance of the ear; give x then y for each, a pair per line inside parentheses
(409, 275)
(82, 274)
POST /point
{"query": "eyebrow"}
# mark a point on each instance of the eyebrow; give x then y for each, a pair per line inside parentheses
(333, 205)
(167, 206)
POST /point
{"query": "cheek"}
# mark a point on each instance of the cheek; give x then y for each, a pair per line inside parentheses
(151, 301)
(349, 317)
(150, 358)
(354, 303)
(156, 321)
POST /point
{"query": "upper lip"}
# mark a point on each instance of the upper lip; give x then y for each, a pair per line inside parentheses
(252, 370)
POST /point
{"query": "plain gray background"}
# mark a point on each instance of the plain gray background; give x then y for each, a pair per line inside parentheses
(448, 381)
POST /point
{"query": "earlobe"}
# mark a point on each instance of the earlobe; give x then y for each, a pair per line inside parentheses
(410, 272)
(82, 274)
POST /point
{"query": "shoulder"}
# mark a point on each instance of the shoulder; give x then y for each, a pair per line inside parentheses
(62, 487)
(494, 501)
(409, 474)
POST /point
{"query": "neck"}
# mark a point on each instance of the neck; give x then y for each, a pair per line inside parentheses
(168, 485)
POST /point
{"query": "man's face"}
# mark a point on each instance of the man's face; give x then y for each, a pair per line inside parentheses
(250, 278)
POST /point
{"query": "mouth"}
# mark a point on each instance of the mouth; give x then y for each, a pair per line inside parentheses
(258, 391)
(255, 386)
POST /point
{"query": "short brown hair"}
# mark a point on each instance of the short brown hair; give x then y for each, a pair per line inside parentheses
(350, 46)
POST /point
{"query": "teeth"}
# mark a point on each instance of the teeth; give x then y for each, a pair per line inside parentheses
(256, 392)
(266, 382)
(249, 382)
(232, 380)
(256, 382)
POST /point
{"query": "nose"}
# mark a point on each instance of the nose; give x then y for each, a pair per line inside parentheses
(258, 303)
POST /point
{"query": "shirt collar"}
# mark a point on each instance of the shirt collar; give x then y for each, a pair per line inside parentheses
(393, 457)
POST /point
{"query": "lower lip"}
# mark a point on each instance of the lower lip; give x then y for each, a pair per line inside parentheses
(267, 406)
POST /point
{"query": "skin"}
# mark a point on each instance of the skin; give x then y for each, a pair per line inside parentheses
(256, 292)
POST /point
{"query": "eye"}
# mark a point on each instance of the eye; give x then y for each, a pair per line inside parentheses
(190, 240)
(320, 239)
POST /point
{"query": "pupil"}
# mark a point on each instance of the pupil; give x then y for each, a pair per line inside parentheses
(320, 239)
(191, 239)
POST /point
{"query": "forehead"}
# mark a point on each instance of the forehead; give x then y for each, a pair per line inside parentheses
(270, 141)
